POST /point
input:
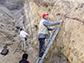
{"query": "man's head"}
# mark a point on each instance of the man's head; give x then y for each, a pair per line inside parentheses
(25, 56)
(45, 16)
(21, 29)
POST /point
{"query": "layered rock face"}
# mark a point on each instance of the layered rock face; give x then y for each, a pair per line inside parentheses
(12, 18)
(70, 40)
(68, 45)
(9, 34)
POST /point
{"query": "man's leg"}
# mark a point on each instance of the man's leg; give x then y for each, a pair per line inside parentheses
(41, 44)
(26, 41)
(24, 45)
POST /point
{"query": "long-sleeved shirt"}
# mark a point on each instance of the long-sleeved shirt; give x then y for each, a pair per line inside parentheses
(47, 23)
(23, 34)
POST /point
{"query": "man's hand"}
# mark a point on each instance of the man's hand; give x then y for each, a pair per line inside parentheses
(61, 21)
(30, 34)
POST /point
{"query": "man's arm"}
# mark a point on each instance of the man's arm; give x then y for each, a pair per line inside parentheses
(47, 23)
(50, 29)
(26, 34)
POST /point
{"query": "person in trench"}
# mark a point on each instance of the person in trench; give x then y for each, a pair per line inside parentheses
(43, 32)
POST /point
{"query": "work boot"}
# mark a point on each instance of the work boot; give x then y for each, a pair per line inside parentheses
(40, 58)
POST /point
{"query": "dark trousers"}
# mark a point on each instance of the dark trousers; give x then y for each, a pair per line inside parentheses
(41, 44)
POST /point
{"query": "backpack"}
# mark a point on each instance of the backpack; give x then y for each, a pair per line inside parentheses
(5, 51)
